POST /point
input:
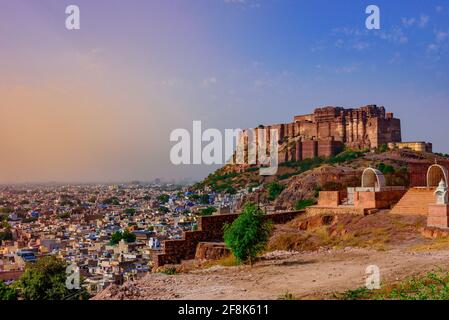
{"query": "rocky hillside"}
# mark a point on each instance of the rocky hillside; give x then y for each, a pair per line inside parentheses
(302, 180)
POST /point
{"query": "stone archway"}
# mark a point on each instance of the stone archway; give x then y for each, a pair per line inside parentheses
(435, 174)
(373, 178)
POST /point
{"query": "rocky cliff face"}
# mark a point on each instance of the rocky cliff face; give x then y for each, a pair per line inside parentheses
(307, 184)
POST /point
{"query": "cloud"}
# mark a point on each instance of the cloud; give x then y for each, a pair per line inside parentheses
(440, 44)
(408, 22)
(345, 69)
(439, 9)
(396, 58)
(441, 36)
(395, 35)
(421, 22)
(209, 82)
(359, 46)
(244, 3)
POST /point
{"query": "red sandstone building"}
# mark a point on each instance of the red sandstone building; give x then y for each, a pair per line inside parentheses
(328, 130)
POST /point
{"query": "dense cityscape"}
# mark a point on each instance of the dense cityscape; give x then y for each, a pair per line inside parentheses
(110, 232)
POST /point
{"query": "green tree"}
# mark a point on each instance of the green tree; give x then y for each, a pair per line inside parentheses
(115, 238)
(274, 190)
(6, 235)
(128, 236)
(111, 201)
(7, 292)
(204, 199)
(125, 235)
(129, 211)
(385, 168)
(46, 280)
(207, 211)
(248, 235)
(164, 209)
(304, 203)
(163, 198)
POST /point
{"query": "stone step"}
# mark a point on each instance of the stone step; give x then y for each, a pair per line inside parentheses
(415, 202)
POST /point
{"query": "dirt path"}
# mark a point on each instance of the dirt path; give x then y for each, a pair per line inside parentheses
(306, 275)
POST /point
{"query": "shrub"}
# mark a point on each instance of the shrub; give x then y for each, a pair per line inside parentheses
(248, 235)
(117, 236)
(385, 168)
(129, 211)
(274, 190)
(163, 198)
(169, 271)
(304, 203)
(207, 211)
(7, 292)
(6, 235)
(46, 280)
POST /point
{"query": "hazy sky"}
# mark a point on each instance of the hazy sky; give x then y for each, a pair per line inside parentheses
(98, 104)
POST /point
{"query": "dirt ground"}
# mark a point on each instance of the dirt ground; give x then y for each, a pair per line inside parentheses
(314, 275)
(310, 258)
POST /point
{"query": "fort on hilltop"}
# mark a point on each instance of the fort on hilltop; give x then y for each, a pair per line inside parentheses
(328, 130)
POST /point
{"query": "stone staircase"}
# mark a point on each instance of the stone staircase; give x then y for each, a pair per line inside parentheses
(415, 201)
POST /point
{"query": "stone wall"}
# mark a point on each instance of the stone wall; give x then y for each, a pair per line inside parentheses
(417, 171)
(210, 229)
(211, 251)
(419, 146)
(325, 132)
(329, 199)
(377, 200)
(438, 216)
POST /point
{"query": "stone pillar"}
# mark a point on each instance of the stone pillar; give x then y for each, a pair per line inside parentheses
(439, 212)
(438, 216)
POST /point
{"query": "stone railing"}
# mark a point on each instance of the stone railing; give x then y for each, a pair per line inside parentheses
(210, 229)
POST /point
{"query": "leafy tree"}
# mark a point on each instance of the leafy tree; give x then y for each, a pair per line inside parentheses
(385, 168)
(204, 199)
(111, 201)
(129, 211)
(125, 235)
(304, 203)
(115, 238)
(6, 235)
(7, 292)
(128, 236)
(164, 209)
(163, 198)
(274, 190)
(207, 211)
(46, 280)
(382, 148)
(248, 235)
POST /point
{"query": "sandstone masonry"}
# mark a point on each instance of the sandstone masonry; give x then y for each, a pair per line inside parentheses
(328, 130)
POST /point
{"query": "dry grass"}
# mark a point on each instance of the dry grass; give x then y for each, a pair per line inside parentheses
(378, 231)
(228, 261)
(431, 245)
(430, 286)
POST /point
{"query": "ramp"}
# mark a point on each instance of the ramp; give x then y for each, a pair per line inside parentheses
(415, 201)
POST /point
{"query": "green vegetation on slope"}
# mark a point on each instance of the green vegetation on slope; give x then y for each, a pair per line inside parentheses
(432, 286)
(248, 235)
